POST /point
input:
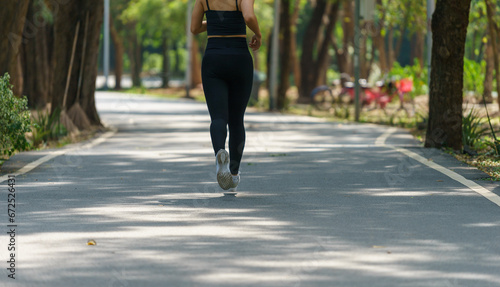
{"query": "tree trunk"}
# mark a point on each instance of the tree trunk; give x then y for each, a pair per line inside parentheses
(494, 31)
(134, 51)
(379, 41)
(195, 64)
(285, 46)
(119, 51)
(36, 58)
(294, 60)
(322, 61)
(417, 50)
(488, 77)
(391, 53)
(348, 41)
(268, 59)
(449, 27)
(341, 56)
(472, 53)
(177, 69)
(64, 32)
(165, 75)
(12, 20)
(307, 63)
(362, 55)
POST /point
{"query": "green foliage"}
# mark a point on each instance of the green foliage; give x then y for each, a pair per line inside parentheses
(495, 144)
(403, 13)
(47, 127)
(14, 119)
(478, 23)
(152, 62)
(154, 19)
(416, 73)
(472, 129)
(474, 75)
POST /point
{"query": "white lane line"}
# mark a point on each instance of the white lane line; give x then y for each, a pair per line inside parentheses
(380, 141)
(451, 174)
(32, 165)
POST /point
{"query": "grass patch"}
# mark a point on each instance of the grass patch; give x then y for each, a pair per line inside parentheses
(489, 164)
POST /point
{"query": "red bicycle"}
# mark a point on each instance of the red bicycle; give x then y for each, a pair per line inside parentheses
(378, 96)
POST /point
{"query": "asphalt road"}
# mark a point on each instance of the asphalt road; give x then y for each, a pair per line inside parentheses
(320, 204)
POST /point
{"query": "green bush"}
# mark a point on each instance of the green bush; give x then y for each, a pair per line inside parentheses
(46, 127)
(14, 119)
(474, 74)
(472, 129)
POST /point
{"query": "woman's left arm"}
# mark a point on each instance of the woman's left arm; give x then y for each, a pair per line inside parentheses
(197, 24)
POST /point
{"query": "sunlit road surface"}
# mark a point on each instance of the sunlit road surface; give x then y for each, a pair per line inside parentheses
(320, 204)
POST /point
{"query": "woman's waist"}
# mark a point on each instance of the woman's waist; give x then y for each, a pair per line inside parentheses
(235, 41)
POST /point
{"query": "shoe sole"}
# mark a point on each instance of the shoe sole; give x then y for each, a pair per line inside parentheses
(224, 177)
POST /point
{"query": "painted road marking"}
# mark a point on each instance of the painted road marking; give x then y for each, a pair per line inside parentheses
(451, 174)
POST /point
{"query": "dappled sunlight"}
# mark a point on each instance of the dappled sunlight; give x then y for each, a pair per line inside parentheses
(313, 207)
(484, 224)
(401, 193)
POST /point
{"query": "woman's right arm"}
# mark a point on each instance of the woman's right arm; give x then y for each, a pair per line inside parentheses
(252, 23)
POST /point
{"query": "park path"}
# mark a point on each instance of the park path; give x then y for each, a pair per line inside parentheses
(320, 204)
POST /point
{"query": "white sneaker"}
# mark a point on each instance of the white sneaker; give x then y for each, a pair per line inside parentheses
(224, 176)
(236, 181)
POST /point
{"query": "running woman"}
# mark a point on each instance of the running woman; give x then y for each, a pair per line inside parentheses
(227, 74)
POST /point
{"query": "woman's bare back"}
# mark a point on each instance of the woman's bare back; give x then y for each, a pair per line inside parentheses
(222, 5)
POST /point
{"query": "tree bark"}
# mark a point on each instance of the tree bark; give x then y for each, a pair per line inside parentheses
(195, 64)
(417, 50)
(307, 63)
(348, 41)
(379, 41)
(494, 32)
(65, 23)
(177, 62)
(285, 44)
(12, 20)
(294, 60)
(36, 57)
(134, 51)
(322, 60)
(449, 27)
(268, 58)
(362, 55)
(165, 75)
(488, 77)
(119, 52)
(391, 57)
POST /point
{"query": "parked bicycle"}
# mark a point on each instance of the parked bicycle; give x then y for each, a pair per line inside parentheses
(342, 93)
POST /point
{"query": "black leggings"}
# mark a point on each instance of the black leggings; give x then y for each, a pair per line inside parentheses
(227, 73)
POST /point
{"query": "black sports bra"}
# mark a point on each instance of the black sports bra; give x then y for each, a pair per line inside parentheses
(225, 23)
